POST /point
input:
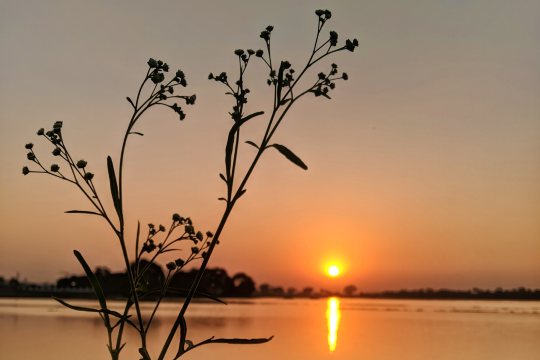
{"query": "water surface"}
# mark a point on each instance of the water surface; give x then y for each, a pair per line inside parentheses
(337, 329)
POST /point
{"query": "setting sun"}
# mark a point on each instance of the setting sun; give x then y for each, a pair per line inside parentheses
(333, 270)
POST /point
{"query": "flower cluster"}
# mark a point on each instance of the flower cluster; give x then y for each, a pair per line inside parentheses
(239, 91)
(156, 74)
(326, 82)
(54, 137)
(198, 240)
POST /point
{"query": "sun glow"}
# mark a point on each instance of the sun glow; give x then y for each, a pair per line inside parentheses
(333, 270)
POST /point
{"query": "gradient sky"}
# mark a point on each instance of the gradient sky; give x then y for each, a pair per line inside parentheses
(424, 169)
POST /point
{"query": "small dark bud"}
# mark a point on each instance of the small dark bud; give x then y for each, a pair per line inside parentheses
(25, 170)
(180, 74)
(265, 35)
(209, 234)
(251, 51)
(199, 236)
(41, 131)
(333, 38)
(259, 53)
(239, 52)
(327, 14)
(179, 262)
(161, 228)
(189, 229)
(269, 28)
(56, 151)
(88, 176)
(349, 45)
(345, 76)
(81, 164)
(29, 146)
(152, 63)
(171, 266)
(319, 12)
(159, 62)
(165, 67)
(210, 76)
(170, 90)
(57, 125)
(151, 226)
(195, 250)
(176, 217)
(55, 168)
(322, 76)
(30, 156)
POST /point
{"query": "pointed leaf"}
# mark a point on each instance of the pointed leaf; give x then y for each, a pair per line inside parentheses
(230, 139)
(222, 177)
(93, 280)
(137, 133)
(114, 186)
(290, 155)
(130, 101)
(82, 212)
(243, 341)
(252, 144)
(88, 309)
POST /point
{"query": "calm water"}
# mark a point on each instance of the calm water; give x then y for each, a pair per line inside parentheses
(337, 329)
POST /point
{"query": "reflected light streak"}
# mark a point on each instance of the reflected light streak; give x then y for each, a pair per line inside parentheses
(333, 314)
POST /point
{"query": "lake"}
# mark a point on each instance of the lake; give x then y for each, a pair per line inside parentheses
(337, 329)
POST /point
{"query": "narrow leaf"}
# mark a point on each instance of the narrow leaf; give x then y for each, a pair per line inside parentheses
(130, 101)
(230, 139)
(242, 341)
(93, 280)
(87, 309)
(137, 133)
(252, 144)
(222, 177)
(241, 193)
(82, 212)
(290, 155)
(222, 199)
(114, 186)
(137, 240)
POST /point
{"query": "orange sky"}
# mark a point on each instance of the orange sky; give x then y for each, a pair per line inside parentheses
(424, 169)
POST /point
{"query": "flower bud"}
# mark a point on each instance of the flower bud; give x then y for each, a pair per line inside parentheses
(171, 266)
(25, 170)
(29, 146)
(179, 262)
(81, 164)
(55, 167)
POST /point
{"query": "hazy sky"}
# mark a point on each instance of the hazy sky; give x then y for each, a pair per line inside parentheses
(424, 169)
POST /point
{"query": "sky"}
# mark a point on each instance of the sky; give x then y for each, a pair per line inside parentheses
(424, 168)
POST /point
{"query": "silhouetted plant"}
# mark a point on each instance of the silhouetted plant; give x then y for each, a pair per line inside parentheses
(285, 82)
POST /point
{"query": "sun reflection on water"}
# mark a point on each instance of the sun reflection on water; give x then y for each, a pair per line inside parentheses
(333, 314)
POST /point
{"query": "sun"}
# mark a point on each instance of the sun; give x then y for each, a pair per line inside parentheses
(333, 270)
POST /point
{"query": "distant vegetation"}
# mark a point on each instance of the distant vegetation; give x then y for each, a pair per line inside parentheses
(216, 282)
